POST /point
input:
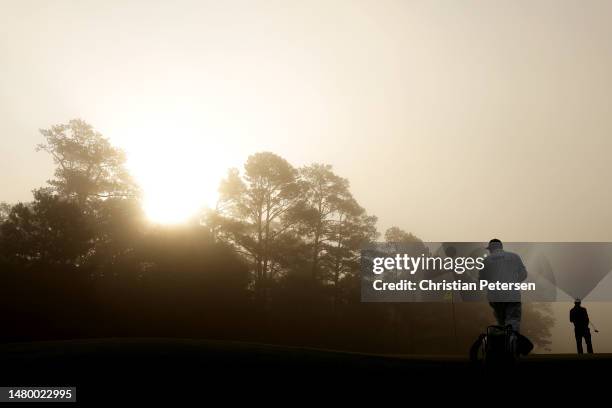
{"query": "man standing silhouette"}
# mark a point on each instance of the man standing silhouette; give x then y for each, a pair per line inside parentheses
(580, 318)
(503, 266)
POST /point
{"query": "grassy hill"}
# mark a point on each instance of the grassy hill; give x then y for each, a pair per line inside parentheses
(147, 369)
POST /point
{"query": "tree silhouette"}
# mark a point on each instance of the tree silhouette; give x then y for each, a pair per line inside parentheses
(325, 198)
(396, 234)
(353, 230)
(256, 210)
(88, 165)
(50, 230)
(81, 260)
(5, 209)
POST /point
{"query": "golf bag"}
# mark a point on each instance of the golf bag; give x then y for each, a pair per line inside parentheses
(499, 346)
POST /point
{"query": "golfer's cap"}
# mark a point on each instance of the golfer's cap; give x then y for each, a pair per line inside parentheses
(494, 244)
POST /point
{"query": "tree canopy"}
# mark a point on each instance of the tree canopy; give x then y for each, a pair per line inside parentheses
(88, 166)
(276, 261)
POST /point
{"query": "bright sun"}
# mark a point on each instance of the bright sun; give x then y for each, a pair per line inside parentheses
(178, 170)
(176, 185)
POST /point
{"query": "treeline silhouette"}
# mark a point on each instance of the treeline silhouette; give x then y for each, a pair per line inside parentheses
(277, 261)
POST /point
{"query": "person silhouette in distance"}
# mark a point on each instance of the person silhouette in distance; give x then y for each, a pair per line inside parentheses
(580, 317)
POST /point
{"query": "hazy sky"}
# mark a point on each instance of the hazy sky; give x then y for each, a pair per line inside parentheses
(454, 120)
(457, 120)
